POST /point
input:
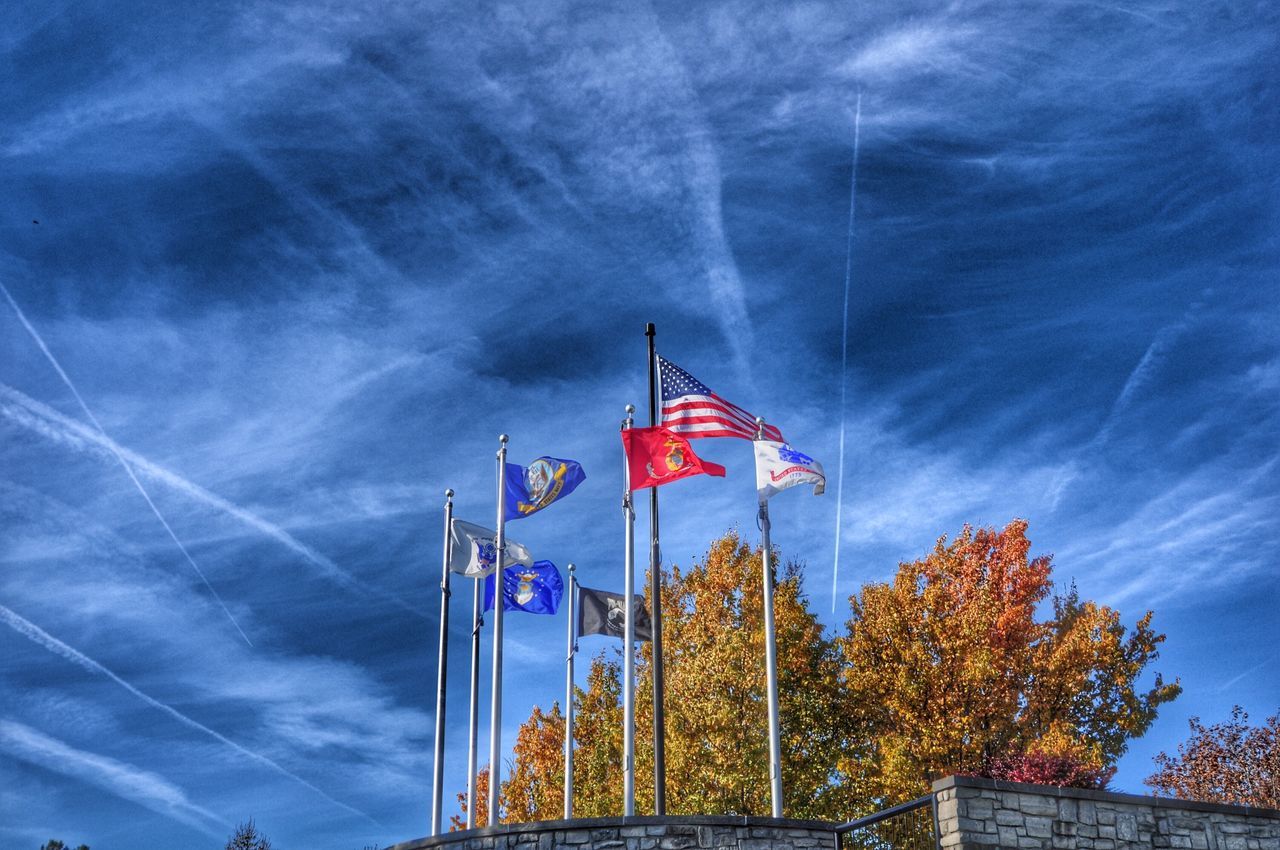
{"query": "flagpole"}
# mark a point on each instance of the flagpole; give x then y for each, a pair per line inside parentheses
(473, 730)
(629, 638)
(770, 653)
(655, 591)
(568, 699)
(499, 599)
(437, 780)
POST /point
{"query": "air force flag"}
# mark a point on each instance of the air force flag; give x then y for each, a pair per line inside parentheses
(531, 489)
(473, 550)
(537, 589)
(778, 466)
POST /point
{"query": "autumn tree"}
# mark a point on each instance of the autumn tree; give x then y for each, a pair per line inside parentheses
(459, 821)
(1231, 762)
(948, 668)
(535, 789)
(716, 701)
(716, 712)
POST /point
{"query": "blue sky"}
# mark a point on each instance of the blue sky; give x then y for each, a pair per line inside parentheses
(303, 262)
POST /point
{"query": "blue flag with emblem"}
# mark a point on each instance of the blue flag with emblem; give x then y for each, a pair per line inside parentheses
(532, 488)
(534, 590)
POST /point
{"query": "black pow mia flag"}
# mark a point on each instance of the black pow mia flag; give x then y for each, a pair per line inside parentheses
(603, 613)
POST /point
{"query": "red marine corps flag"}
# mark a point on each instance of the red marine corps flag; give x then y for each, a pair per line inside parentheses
(657, 456)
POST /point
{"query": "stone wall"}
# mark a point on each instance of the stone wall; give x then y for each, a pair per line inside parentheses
(640, 833)
(978, 814)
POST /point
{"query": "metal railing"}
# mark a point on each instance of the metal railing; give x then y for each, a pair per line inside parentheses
(906, 826)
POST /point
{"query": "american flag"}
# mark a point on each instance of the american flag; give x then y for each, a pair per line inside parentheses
(689, 407)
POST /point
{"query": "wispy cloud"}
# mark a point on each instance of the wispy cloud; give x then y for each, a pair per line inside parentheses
(37, 635)
(120, 778)
(49, 423)
(53, 361)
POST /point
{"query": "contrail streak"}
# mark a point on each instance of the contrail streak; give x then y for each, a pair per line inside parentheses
(51, 424)
(53, 361)
(844, 343)
(31, 631)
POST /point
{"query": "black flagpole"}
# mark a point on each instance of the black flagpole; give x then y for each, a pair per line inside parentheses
(655, 593)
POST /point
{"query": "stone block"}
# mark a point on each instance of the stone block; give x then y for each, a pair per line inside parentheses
(983, 838)
(1182, 842)
(684, 842)
(948, 810)
(649, 842)
(1007, 817)
(1034, 804)
(951, 839)
(1104, 844)
(1126, 828)
(969, 825)
(1063, 842)
(1108, 832)
(1067, 810)
(1026, 842)
(1008, 836)
(1038, 827)
(603, 834)
(1086, 830)
(545, 841)
(1065, 827)
(1086, 812)
(573, 837)
(632, 832)
(1106, 815)
(979, 809)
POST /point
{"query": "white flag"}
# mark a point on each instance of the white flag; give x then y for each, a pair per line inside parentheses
(778, 466)
(474, 551)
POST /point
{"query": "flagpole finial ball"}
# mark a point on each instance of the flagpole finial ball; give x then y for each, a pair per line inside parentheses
(631, 408)
(502, 438)
(448, 493)
(759, 420)
(572, 567)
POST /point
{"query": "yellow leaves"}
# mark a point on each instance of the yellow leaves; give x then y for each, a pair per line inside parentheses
(975, 675)
(945, 668)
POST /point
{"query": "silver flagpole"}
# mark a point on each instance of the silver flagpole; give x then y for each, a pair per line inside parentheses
(770, 654)
(437, 780)
(568, 699)
(629, 639)
(499, 600)
(473, 730)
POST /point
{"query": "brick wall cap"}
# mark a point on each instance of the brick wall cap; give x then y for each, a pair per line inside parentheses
(949, 782)
(578, 824)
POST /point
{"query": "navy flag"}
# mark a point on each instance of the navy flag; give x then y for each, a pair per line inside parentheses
(535, 590)
(601, 612)
(547, 479)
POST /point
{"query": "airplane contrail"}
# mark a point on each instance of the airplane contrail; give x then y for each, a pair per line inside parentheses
(34, 633)
(53, 361)
(49, 423)
(844, 343)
